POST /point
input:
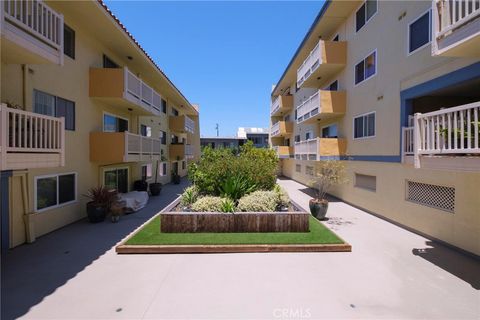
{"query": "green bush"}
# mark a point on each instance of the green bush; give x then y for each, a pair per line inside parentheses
(258, 201)
(208, 204)
(227, 205)
(236, 186)
(189, 196)
(258, 166)
(283, 200)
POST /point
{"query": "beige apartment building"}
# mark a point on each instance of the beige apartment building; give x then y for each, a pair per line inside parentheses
(82, 105)
(393, 89)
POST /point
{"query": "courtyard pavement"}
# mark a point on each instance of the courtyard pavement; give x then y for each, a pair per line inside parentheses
(74, 273)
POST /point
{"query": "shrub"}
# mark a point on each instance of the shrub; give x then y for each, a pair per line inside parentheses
(208, 204)
(327, 174)
(228, 205)
(283, 200)
(189, 196)
(236, 186)
(258, 201)
(256, 165)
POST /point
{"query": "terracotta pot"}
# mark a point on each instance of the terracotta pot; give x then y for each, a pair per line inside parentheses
(318, 208)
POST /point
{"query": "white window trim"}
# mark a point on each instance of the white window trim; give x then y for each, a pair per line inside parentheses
(429, 11)
(363, 115)
(113, 115)
(366, 20)
(364, 69)
(116, 168)
(151, 169)
(57, 175)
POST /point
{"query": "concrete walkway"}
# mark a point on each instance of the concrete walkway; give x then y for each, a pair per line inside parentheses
(391, 273)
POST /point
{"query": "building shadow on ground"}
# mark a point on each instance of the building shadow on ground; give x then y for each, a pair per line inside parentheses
(312, 193)
(454, 262)
(31, 272)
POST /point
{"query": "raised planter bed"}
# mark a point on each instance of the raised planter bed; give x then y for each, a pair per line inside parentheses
(179, 222)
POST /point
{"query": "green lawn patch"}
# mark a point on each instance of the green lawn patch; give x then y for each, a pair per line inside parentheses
(150, 235)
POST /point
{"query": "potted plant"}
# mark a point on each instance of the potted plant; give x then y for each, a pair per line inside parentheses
(156, 186)
(101, 200)
(327, 174)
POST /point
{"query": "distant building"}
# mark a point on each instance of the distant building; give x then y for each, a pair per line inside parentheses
(259, 136)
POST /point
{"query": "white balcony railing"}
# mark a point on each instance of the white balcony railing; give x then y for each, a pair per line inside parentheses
(26, 133)
(453, 14)
(189, 125)
(37, 19)
(275, 129)
(309, 65)
(275, 105)
(140, 145)
(188, 151)
(307, 149)
(449, 131)
(309, 107)
(140, 92)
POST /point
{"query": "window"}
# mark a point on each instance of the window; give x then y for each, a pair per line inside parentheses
(112, 123)
(50, 105)
(116, 179)
(109, 63)
(55, 190)
(298, 168)
(162, 169)
(297, 138)
(308, 135)
(366, 182)
(296, 116)
(330, 131)
(68, 41)
(164, 106)
(309, 170)
(364, 126)
(333, 86)
(365, 13)
(419, 32)
(174, 112)
(145, 131)
(366, 68)
(336, 38)
(163, 137)
(147, 171)
(184, 165)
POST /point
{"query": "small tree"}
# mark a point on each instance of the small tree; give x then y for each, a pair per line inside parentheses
(326, 175)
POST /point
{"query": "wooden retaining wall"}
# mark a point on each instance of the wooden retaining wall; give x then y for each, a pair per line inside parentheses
(183, 222)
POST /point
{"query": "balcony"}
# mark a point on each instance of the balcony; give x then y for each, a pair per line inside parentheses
(182, 124)
(281, 129)
(281, 105)
(118, 147)
(320, 149)
(322, 105)
(323, 62)
(180, 151)
(456, 28)
(32, 33)
(121, 88)
(30, 140)
(283, 152)
(444, 139)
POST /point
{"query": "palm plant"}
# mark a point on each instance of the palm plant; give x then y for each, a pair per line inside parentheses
(235, 187)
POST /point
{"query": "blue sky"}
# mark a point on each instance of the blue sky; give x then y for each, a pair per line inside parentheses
(224, 55)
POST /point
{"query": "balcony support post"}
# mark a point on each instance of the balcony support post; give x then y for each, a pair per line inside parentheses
(62, 141)
(3, 135)
(416, 140)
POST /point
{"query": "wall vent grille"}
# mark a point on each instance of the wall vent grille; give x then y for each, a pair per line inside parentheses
(431, 195)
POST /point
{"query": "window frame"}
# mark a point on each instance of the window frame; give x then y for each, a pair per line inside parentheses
(331, 83)
(367, 20)
(113, 63)
(65, 26)
(429, 12)
(105, 169)
(328, 126)
(147, 177)
(58, 205)
(113, 115)
(365, 69)
(55, 104)
(363, 115)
